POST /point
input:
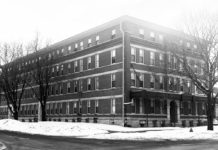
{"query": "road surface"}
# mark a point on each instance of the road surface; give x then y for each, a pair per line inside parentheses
(17, 141)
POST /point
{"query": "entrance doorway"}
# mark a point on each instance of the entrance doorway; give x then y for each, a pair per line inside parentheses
(173, 112)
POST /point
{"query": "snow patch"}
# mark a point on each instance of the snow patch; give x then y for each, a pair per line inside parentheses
(103, 131)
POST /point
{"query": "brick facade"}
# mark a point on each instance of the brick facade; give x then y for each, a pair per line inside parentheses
(87, 83)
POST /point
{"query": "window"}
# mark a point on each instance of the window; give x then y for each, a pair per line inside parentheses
(80, 106)
(53, 90)
(133, 79)
(76, 46)
(180, 66)
(68, 87)
(161, 37)
(181, 108)
(141, 56)
(152, 35)
(62, 50)
(113, 34)
(81, 46)
(69, 48)
(58, 52)
(57, 70)
(133, 54)
(195, 46)
(97, 61)
(152, 106)
(195, 90)
(89, 42)
(189, 86)
(69, 67)
(75, 86)
(89, 63)
(88, 106)
(76, 69)
(141, 33)
(113, 106)
(96, 83)
(188, 45)
(49, 56)
(169, 61)
(81, 65)
(152, 58)
(175, 62)
(67, 108)
(141, 80)
(151, 81)
(52, 71)
(61, 88)
(97, 40)
(195, 68)
(113, 56)
(96, 106)
(113, 80)
(56, 89)
(161, 82)
(161, 58)
(62, 69)
(88, 84)
(81, 85)
(189, 107)
(75, 107)
(170, 83)
(181, 84)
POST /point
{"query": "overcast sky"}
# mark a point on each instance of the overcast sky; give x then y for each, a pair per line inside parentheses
(59, 19)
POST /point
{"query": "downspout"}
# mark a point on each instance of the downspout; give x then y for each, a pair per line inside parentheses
(123, 76)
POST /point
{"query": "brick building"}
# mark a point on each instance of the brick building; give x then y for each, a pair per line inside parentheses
(119, 73)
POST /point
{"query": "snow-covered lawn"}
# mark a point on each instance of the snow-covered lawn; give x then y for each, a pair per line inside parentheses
(102, 131)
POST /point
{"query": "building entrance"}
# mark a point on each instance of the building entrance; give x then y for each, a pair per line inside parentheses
(173, 112)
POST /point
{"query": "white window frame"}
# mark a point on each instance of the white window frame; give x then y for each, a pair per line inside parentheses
(113, 79)
(81, 65)
(81, 45)
(89, 61)
(113, 106)
(133, 53)
(69, 48)
(96, 83)
(68, 87)
(97, 39)
(113, 55)
(113, 32)
(142, 32)
(133, 77)
(141, 54)
(152, 58)
(141, 78)
(89, 84)
(152, 79)
(96, 60)
(75, 66)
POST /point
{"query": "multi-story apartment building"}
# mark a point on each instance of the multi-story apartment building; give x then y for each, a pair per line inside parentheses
(119, 73)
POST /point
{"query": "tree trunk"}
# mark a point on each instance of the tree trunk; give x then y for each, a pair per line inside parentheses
(44, 118)
(210, 113)
(15, 115)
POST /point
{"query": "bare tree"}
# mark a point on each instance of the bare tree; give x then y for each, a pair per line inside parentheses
(12, 76)
(41, 76)
(201, 29)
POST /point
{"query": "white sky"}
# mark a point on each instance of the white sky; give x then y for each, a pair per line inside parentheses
(59, 19)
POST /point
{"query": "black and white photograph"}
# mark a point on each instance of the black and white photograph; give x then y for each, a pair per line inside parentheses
(109, 75)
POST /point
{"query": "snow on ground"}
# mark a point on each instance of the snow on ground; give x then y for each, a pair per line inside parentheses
(102, 131)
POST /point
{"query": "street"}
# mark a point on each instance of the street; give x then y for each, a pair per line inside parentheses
(17, 141)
